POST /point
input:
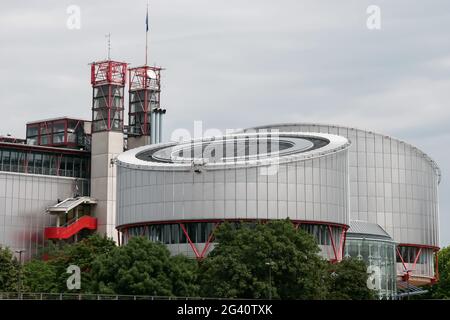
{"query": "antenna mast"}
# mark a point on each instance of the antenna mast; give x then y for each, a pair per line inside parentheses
(109, 45)
(146, 36)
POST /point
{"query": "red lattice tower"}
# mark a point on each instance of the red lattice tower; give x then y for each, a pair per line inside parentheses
(108, 79)
(145, 94)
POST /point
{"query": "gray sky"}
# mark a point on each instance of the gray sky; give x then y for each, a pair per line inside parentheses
(240, 63)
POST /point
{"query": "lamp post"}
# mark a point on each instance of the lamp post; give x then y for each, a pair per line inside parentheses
(19, 284)
(270, 264)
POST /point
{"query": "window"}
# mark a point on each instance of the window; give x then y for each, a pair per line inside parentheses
(38, 163)
(6, 160)
(410, 254)
(45, 164)
(32, 134)
(58, 138)
(14, 161)
(58, 127)
(46, 139)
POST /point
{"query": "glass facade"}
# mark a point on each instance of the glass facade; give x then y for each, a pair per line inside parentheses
(379, 255)
(173, 233)
(421, 261)
(144, 98)
(199, 232)
(64, 132)
(140, 118)
(34, 161)
(107, 108)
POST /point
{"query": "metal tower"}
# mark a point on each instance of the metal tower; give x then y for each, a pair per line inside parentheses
(108, 79)
(145, 113)
(108, 82)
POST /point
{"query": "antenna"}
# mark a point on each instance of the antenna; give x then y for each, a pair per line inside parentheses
(146, 36)
(109, 45)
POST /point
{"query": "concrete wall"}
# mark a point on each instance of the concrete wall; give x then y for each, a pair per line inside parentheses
(135, 142)
(105, 147)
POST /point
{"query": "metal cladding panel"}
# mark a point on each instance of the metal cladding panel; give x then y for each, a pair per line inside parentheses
(392, 183)
(366, 228)
(314, 189)
(24, 199)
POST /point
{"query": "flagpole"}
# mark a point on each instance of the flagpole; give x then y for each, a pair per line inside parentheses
(146, 37)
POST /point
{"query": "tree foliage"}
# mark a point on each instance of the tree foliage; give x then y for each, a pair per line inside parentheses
(248, 261)
(40, 276)
(9, 270)
(441, 290)
(348, 281)
(238, 267)
(48, 271)
(143, 267)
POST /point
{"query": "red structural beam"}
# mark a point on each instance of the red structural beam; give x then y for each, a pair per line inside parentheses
(209, 241)
(342, 243)
(108, 72)
(125, 226)
(333, 245)
(415, 245)
(139, 78)
(194, 248)
(403, 261)
(28, 147)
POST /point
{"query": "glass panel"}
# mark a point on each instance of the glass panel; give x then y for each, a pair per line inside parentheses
(71, 138)
(58, 127)
(46, 139)
(38, 163)
(14, 161)
(32, 131)
(58, 138)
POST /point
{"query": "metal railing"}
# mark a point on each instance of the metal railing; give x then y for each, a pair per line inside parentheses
(88, 296)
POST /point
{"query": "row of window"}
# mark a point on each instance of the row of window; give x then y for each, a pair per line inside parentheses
(410, 254)
(65, 131)
(44, 163)
(199, 232)
(173, 233)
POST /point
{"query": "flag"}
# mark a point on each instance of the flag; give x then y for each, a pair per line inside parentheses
(146, 21)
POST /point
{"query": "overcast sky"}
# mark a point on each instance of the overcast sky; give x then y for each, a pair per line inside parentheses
(240, 63)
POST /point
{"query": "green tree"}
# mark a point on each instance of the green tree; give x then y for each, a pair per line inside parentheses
(9, 270)
(141, 267)
(81, 254)
(183, 275)
(238, 267)
(40, 276)
(348, 281)
(441, 290)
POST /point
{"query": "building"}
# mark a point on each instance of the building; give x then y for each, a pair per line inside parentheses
(32, 178)
(178, 193)
(372, 244)
(357, 192)
(340, 184)
(395, 185)
(59, 183)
